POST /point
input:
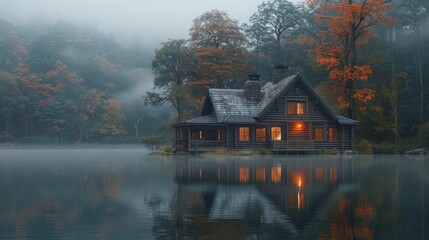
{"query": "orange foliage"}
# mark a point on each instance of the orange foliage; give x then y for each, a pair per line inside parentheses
(348, 26)
(219, 46)
(62, 74)
(106, 66)
(33, 84)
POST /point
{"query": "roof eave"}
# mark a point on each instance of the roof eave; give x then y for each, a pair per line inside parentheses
(270, 104)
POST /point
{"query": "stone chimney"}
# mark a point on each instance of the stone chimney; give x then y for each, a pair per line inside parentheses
(252, 89)
(279, 73)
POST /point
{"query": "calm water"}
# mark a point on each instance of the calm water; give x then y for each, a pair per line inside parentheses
(126, 194)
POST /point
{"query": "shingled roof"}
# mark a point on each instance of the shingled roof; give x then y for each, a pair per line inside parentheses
(231, 105)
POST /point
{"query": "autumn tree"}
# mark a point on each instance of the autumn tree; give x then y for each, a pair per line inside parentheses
(12, 102)
(219, 46)
(174, 68)
(110, 119)
(349, 25)
(39, 95)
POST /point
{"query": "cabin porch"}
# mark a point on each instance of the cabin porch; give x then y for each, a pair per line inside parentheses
(200, 138)
(192, 138)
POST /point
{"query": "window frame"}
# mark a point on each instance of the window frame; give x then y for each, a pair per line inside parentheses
(248, 134)
(334, 134)
(323, 134)
(280, 131)
(292, 107)
(264, 138)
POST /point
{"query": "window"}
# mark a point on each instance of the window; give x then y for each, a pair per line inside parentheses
(332, 134)
(260, 134)
(295, 108)
(243, 134)
(300, 108)
(276, 133)
(200, 135)
(318, 134)
(219, 134)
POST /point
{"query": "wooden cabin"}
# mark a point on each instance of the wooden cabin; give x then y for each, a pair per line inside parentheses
(285, 115)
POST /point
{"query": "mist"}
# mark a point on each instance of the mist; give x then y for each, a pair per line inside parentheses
(130, 21)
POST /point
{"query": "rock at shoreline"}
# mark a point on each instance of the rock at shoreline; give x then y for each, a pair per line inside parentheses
(418, 151)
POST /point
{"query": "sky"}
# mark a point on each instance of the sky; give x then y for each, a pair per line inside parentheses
(150, 22)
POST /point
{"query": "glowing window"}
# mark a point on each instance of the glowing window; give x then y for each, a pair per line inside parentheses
(332, 134)
(219, 135)
(291, 108)
(200, 135)
(318, 134)
(260, 134)
(295, 108)
(276, 133)
(300, 108)
(244, 134)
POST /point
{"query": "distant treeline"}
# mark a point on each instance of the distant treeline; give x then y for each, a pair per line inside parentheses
(65, 84)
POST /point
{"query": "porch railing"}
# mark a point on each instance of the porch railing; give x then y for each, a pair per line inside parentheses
(205, 144)
(293, 144)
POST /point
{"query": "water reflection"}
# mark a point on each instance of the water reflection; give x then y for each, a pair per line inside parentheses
(126, 194)
(271, 197)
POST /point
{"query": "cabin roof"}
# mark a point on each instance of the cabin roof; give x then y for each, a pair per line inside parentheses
(231, 105)
(346, 121)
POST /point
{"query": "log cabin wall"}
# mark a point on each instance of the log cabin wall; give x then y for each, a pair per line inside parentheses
(277, 112)
(314, 117)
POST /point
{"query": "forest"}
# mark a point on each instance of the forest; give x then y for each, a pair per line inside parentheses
(367, 58)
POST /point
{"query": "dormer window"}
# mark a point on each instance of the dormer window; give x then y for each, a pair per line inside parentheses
(296, 107)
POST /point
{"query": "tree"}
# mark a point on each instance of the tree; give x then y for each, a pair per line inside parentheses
(256, 34)
(219, 46)
(414, 14)
(349, 25)
(110, 121)
(277, 17)
(174, 69)
(12, 101)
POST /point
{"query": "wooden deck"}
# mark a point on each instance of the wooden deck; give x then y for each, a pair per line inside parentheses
(292, 145)
(275, 146)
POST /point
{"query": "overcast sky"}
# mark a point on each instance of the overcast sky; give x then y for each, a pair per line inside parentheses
(152, 21)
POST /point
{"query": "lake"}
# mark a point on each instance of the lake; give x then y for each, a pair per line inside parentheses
(128, 194)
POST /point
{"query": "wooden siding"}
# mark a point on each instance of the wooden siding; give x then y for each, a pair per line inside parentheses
(313, 111)
(296, 132)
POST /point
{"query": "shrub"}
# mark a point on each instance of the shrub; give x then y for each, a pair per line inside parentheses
(386, 148)
(152, 143)
(364, 146)
(167, 148)
(423, 135)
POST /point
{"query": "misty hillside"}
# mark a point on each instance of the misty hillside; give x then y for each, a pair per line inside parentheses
(69, 83)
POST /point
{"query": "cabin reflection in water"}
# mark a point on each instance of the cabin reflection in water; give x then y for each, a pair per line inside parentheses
(285, 193)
